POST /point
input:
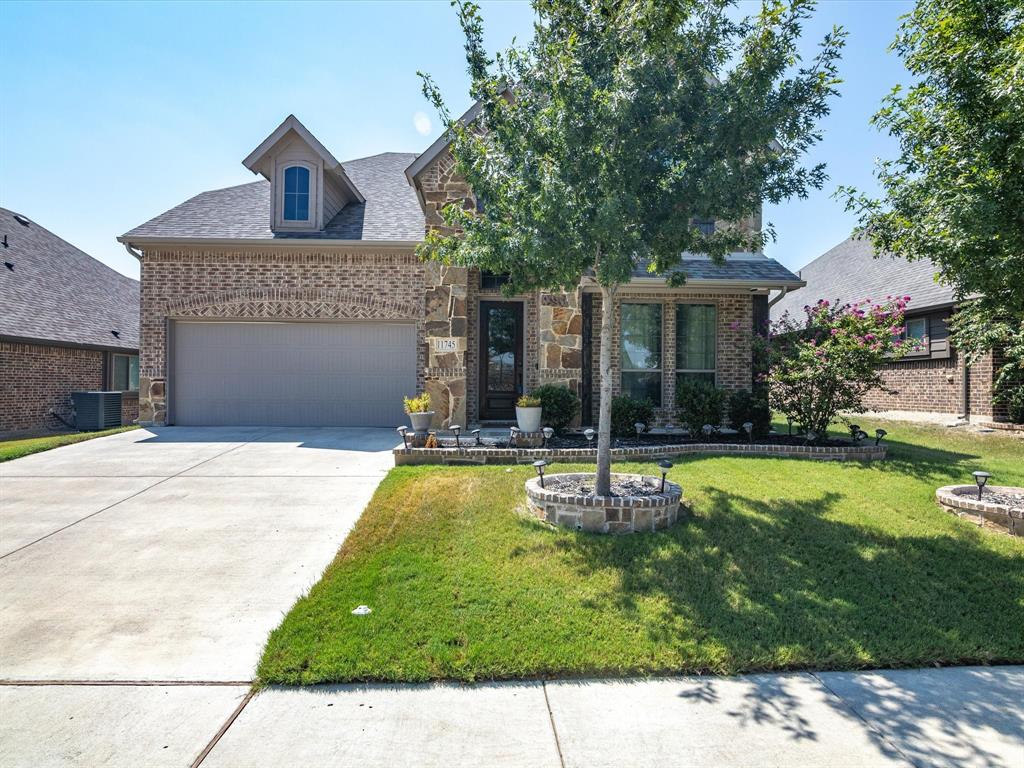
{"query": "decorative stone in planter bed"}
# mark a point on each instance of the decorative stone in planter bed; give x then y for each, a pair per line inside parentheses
(1002, 505)
(491, 454)
(567, 500)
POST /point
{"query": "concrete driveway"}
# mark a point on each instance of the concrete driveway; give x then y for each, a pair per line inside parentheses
(142, 572)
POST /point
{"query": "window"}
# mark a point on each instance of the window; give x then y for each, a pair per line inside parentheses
(916, 330)
(695, 343)
(704, 226)
(296, 193)
(641, 351)
(124, 373)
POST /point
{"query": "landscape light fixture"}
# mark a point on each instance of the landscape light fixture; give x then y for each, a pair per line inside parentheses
(476, 435)
(539, 465)
(789, 420)
(707, 429)
(548, 434)
(405, 438)
(811, 436)
(512, 432)
(879, 434)
(665, 465)
(748, 427)
(639, 427)
(861, 435)
(981, 478)
(456, 429)
(854, 429)
(589, 434)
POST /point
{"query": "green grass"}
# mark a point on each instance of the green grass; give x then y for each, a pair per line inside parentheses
(15, 449)
(786, 564)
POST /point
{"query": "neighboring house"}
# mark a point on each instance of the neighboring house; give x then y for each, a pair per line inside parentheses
(67, 323)
(299, 300)
(934, 380)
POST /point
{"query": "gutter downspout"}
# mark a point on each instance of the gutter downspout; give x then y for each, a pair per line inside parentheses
(784, 290)
(132, 251)
(965, 409)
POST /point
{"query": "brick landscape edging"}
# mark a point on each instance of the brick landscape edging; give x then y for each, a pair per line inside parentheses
(605, 514)
(491, 455)
(959, 499)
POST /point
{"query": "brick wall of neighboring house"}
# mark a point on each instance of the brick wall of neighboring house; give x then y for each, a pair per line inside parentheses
(303, 283)
(936, 386)
(35, 378)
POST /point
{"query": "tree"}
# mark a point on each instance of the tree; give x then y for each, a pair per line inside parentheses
(825, 364)
(955, 193)
(598, 142)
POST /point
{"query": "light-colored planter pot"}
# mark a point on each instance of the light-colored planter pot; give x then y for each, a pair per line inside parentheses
(421, 421)
(528, 419)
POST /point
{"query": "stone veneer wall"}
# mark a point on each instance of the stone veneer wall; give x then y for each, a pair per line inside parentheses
(734, 355)
(300, 283)
(37, 377)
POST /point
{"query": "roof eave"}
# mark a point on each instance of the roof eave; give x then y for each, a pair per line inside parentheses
(142, 241)
(44, 342)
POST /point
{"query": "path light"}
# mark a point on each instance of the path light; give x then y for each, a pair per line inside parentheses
(811, 436)
(854, 429)
(539, 465)
(981, 478)
(665, 465)
(456, 428)
(639, 427)
(748, 427)
(707, 429)
(512, 432)
(879, 434)
(789, 420)
(405, 439)
(476, 435)
(589, 434)
(548, 434)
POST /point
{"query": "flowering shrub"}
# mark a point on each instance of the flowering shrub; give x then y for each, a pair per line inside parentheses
(826, 363)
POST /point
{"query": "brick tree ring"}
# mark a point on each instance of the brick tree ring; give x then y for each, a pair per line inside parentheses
(1002, 505)
(567, 500)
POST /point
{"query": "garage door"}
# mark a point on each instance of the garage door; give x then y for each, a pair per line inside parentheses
(350, 374)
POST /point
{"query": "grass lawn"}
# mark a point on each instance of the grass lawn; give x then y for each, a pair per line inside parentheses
(15, 449)
(785, 564)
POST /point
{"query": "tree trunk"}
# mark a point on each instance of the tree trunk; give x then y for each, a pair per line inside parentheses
(604, 419)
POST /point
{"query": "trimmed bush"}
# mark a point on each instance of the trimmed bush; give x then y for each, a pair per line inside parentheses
(1015, 405)
(700, 403)
(559, 405)
(747, 406)
(627, 411)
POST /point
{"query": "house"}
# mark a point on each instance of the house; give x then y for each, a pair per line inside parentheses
(298, 299)
(932, 381)
(67, 323)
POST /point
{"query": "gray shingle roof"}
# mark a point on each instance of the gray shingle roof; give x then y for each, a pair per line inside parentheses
(391, 211)
(850, 272)
(752, 268)
(55, 292)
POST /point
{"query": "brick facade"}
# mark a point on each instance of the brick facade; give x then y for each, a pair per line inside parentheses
(35, 378)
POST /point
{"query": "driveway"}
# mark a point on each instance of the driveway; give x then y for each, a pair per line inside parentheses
(163, 557)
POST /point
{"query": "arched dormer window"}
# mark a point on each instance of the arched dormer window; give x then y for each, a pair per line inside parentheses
(296, 194)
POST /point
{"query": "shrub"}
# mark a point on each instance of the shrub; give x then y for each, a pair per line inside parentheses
(700, 403)
(419, 404)
(1015, 404)
(528, 401)
(627, 411)
(747, 406)
(827, 363)
(560, 405)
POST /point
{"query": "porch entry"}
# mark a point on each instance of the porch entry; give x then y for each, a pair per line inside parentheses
(501, 359)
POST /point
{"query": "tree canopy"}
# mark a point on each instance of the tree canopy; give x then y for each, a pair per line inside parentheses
(955, 193)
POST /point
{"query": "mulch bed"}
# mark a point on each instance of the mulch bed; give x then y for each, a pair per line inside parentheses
(579, 441)
(579, 487)
(1012, 500)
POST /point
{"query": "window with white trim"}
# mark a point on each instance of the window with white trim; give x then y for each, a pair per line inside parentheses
(124, 373)
(296, 194)
(696, 337)
(641, 351)
(916, 330)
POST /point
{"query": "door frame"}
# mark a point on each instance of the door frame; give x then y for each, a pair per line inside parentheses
(520, 347)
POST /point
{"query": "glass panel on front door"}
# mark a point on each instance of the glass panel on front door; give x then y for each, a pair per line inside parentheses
(501, 357)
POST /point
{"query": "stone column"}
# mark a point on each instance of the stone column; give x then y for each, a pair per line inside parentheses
(560, 328)
(446, 329)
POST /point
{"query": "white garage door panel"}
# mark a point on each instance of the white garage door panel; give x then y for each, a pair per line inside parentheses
(292, 374)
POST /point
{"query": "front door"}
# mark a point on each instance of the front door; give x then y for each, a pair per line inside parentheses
(501, 358)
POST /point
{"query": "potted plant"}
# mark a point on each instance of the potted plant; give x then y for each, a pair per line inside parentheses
(528, 410)
(419, 412)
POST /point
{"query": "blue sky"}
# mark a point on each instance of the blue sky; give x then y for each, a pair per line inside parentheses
(115, 112)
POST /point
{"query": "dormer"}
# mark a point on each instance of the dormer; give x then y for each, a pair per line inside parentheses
(308, 186)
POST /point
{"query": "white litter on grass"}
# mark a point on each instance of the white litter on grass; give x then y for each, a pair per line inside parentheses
(362, 610)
